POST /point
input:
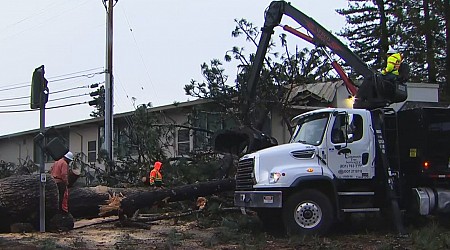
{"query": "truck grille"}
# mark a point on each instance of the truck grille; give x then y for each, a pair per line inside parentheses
(244, 175)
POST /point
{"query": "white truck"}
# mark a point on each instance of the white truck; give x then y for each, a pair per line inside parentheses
(339, 161)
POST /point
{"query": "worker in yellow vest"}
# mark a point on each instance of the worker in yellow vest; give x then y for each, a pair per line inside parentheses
(155, 175)
(393, 63)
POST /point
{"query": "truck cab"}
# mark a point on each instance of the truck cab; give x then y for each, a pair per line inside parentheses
(329, 149)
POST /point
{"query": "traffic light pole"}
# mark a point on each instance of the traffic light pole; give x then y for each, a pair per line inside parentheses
(42, 175)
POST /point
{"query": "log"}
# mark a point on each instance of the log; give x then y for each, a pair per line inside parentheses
(85, 202)
(137, 200)
(19, 200)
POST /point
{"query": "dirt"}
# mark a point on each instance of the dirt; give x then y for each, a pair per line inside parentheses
(193, 234)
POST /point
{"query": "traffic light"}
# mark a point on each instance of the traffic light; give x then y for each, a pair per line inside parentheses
(39, 89)
(98, 102)
(98, 95)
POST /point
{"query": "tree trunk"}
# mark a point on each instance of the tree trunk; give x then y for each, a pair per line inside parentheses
(85, 202)
(429, 42)
(147, 198)
(19, 200)
(384, 36)
(447, 34)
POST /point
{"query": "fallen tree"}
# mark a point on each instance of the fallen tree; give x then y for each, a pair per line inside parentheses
(138, 200)
(20, 199)
(88, 201)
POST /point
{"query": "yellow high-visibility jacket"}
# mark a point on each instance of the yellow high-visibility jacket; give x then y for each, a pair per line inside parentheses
(393, 64)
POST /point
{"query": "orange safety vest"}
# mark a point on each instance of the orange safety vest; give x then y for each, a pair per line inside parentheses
(155, 175)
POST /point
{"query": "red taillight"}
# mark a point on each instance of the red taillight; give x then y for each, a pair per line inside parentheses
(426, 165)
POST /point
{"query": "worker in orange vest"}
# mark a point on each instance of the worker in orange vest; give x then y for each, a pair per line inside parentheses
(155, 175)
(60, 173)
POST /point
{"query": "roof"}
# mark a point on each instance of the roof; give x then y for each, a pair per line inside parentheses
(322, 91)
(101, 119)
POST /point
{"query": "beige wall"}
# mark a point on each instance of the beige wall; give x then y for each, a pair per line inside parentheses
(279, 128)
(14, 148)
(80, 136)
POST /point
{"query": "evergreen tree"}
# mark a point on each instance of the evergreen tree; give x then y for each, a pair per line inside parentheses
(418, 28)
(367, 29)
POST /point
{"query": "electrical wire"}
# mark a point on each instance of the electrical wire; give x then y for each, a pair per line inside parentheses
(140, 54)
(51, 100)
(54, 92)
(78, 72)
(27, 84)
(30, 110)
(36, 25)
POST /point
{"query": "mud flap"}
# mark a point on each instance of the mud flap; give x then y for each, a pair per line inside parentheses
(243, 140)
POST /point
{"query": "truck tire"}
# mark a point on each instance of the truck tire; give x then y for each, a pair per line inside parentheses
(308, 212)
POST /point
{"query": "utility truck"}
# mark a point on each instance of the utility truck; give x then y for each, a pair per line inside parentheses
(367, 159)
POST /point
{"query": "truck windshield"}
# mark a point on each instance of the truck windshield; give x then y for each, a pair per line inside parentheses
(310, 128)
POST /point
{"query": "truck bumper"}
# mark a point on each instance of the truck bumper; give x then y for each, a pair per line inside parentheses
(258, 199)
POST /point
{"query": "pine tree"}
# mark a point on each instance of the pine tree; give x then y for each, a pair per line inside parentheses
(367, 29)
(418, 28)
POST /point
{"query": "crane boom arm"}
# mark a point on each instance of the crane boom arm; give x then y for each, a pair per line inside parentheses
(321, 36)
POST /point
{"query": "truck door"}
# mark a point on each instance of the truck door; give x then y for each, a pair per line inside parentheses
(350, 149)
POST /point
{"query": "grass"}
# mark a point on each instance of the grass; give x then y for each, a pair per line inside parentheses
(48, 244)
(174, 238)
(79, 243)
(432, 236)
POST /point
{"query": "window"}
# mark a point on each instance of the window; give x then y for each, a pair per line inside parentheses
(338, 130)
(208, 121)
(355, 127)
(347, 125)
(92, 151)
(310, 129)
(183, 142)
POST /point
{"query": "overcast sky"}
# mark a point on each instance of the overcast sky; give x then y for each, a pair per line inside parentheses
(159, 46)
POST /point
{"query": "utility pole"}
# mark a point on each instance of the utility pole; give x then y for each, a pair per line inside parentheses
(109, 80)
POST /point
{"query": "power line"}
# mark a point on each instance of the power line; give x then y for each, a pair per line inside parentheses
(28, 84)
(78, 72)
(73, 77)
(54, 92)
(140, 54)
(29, 110)
(51, 100)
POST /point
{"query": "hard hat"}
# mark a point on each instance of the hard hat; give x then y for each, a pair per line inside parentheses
(69, 156)
(392, 51)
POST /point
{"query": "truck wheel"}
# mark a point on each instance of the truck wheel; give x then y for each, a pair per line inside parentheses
(308, 212)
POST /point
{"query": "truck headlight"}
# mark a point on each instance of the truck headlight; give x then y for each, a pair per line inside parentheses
(274, 177)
